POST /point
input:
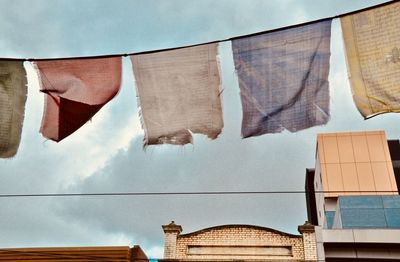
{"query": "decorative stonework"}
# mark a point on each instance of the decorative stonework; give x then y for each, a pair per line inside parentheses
(171, 232)
(309, 241)
(244, 242)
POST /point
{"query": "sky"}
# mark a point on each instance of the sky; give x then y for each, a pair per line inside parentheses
(106, 154)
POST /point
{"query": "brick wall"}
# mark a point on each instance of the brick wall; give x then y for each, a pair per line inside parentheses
(231, 240)
(310, 246)
(309, 241)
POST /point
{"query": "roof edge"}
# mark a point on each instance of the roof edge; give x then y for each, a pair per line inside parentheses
(237, 225)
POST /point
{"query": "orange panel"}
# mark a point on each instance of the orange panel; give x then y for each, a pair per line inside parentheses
(360, 148)
(320, 149)
(350, 178)
(345, 149)
(324, 177)
(381, 177)
(376, 132)
(375, 148)
(355, 161)
(392, 178)
(331, 149)
(385, 147)
(365, 178)
(334, 176)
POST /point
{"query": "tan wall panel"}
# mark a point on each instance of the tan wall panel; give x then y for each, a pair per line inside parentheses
(350, 178)
(392, 178)
(324, 177)
(334, 175)
(331, 149)
(366, 178)
(364, 159)
(319, 172)
(360, 148)
(381, 177)
(345, 146)
(375, 148)
(320, 149)
(385, 147)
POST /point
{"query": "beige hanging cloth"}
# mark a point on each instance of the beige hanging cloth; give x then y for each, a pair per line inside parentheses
(372, 42)
(179, 93)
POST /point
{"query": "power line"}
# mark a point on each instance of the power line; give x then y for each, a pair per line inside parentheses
(206, 43)
(183, 193)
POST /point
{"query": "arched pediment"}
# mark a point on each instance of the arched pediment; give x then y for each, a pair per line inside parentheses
(237, 226)
(239, 242)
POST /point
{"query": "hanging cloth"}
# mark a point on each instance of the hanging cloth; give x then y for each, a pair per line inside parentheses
(13, 93)
(75, 90)
(283, 78)
(372, 42)
(179, 94)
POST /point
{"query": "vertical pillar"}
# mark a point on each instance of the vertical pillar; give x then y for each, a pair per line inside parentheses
(171, 232)
(309, 241)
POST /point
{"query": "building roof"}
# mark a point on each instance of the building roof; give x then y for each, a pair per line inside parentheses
(81, 254)
(355, 162)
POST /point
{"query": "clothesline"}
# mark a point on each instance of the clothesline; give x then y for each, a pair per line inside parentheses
(282, 77)
(203, 43)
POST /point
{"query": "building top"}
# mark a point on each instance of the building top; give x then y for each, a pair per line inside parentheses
(82, 254)
(172, 227)
(355, 163)
(240, 242)
(360, 220)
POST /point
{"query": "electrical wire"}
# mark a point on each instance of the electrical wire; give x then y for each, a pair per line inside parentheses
(205, 43)
(185, 193)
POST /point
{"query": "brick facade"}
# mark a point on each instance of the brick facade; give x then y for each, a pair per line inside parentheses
(244, 242)
(309, 242)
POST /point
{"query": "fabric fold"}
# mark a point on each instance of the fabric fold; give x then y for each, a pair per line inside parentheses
(13, 92)
(75, 90)
(179, 94)
(283, 78)
(372, 43)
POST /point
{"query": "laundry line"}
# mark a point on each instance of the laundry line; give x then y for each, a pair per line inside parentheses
(203, 43)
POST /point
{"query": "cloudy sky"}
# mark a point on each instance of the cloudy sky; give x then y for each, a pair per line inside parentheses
(106, 154)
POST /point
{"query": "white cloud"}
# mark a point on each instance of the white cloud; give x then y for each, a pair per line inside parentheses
(154, 252)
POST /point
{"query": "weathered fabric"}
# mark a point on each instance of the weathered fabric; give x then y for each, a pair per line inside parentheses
(179, 94)
(12, 105)
(283, 78)
(372, 41)
(75, 90)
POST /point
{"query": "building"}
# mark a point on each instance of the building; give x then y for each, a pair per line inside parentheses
(353, 197)
(81, 254)
(238, 243)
